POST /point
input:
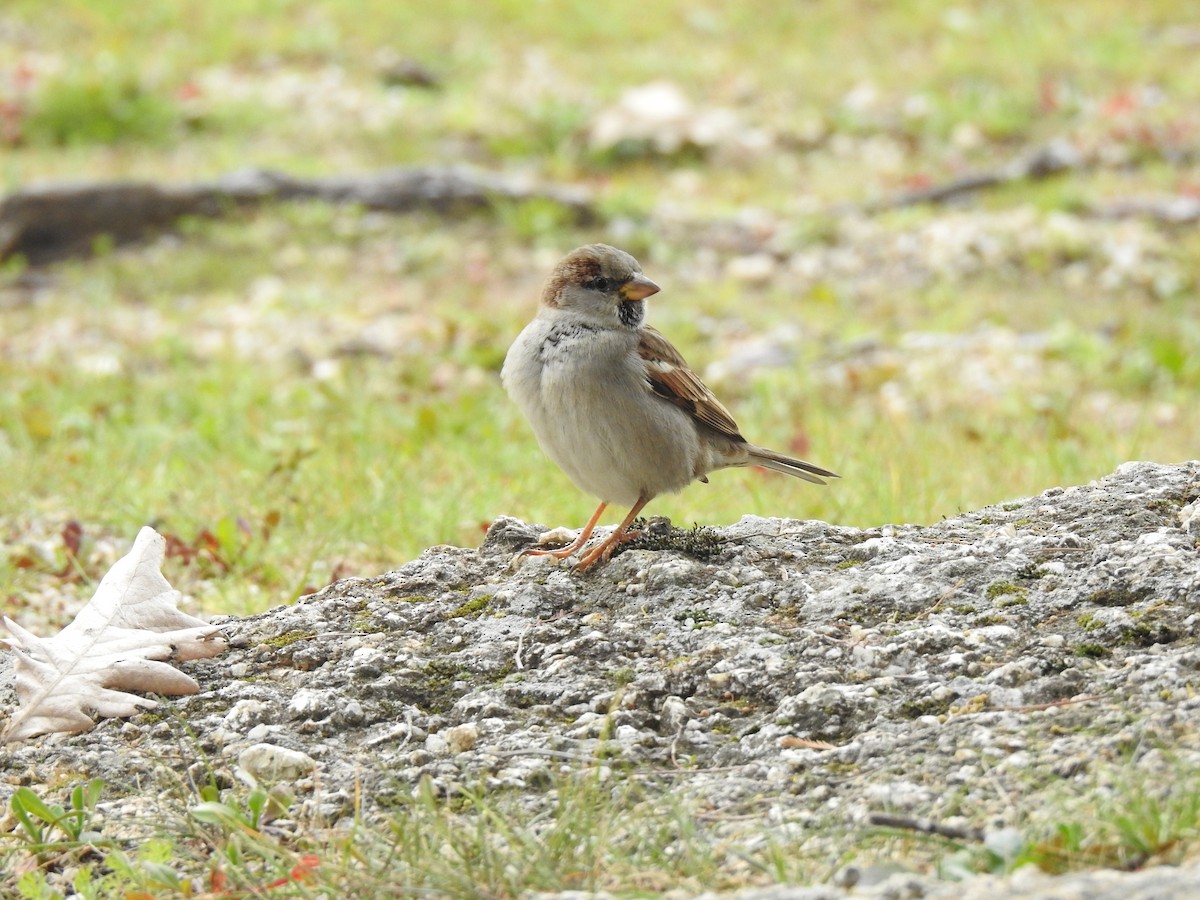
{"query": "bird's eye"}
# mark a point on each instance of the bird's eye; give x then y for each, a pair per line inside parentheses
(602, 284)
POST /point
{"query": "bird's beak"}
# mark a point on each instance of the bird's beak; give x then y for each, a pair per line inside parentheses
(639, 287)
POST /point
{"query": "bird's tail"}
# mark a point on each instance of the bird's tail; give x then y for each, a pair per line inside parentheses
(761, 456)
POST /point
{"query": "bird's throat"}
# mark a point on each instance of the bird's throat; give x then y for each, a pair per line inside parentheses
(631, 313)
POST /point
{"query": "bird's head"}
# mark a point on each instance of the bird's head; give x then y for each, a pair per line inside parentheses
(602, 282)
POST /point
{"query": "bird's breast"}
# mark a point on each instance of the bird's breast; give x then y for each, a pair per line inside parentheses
(584, 391)
(561, 345)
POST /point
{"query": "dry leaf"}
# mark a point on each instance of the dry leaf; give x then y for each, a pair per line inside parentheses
(124, 640)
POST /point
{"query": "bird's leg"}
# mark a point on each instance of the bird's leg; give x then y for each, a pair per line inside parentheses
(564, 552)
(602, 551)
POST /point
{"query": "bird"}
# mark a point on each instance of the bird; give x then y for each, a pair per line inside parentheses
(614, 404)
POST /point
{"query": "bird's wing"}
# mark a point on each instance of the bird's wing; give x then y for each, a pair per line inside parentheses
(669, 376)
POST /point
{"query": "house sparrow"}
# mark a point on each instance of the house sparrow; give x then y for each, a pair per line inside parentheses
(613, 403)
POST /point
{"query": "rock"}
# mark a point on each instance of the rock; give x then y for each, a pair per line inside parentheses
(461, 738)
(1003, 663)
(270, 763)
(658, 119)
(397, 70)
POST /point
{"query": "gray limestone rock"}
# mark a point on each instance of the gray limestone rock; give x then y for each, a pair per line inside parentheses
(974, 671)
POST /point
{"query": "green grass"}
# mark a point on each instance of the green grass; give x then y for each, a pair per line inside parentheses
(214, 381)
(593, 829)
(589, 830)
(305, 393)
(162, 408)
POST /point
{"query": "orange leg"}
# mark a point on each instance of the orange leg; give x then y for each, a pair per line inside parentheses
(564, 552)
(602, 551)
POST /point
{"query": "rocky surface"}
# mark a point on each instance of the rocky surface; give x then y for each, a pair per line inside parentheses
(985, 672)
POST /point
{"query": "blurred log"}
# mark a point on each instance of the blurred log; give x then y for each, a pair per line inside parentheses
(1053, 159)
(926, 826)
(56, 221)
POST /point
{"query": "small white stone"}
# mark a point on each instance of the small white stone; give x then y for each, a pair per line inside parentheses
(753, 268)
(461, 738)
(246, 713)
(305, 702)
(271, 763)
(1189, 516)
(674, 714)
(559, 535)
(261, 732)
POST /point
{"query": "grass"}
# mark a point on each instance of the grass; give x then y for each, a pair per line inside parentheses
(187, 394)
(589, 830)
(305, 393)
(593, 829)
(214, 380)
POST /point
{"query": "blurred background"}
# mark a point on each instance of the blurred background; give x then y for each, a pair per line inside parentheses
(949, 250)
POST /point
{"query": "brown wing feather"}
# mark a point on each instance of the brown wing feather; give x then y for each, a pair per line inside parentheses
(669, 376)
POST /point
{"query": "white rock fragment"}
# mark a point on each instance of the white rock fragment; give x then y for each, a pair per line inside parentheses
(309, 703)
(461, 738)
(1189, 517)
(754, 268)
(246, 713)
(674, 714)
(270, 763)
(660, 117)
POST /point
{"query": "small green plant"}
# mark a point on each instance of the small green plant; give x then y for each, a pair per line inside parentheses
(149, 869)
(98, 107)
(593, 834)
(1002, 588)
(700, 618)
(48, 826)
(244, 855)
(290, 637)
(623, 676)
(472, 608)
(543, 129)
(229, 816)
(1014, 600)
(1145, 820)
(983, 621)
(1002, 852)
(534, 218)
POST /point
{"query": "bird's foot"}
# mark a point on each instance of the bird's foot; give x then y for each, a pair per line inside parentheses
(556, 536)
(560, 553)
(603, 551)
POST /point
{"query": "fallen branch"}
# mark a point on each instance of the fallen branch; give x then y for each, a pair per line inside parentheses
(1055, 158)
(926, 826)
(56, 221)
